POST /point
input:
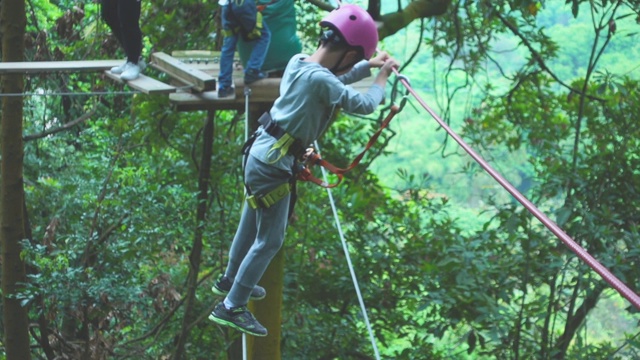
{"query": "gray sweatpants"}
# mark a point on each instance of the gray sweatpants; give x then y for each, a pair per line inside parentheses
(260, 233)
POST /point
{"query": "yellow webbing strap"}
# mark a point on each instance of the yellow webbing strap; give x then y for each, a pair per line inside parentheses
(257, 30)
(230, 32)
(281, 145)
(272, 197)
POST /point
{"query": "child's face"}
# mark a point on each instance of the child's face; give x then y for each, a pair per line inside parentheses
(348, 61)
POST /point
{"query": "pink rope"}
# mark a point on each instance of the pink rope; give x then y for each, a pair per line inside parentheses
(623, 289)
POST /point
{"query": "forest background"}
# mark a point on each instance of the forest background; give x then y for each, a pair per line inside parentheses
(129, 206)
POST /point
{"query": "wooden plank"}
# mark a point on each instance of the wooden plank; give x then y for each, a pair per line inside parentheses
(196, 54)
(145, 84)
(208, 68)
(263, 91)
(200, 80)
(35, 67)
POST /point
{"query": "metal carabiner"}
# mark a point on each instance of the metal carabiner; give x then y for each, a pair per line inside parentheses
(394, 91)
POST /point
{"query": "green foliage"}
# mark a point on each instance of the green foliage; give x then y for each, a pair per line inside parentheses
(595, 213)
(449, 265)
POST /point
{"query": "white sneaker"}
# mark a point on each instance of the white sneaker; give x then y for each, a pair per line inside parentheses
(142, 64)
(131, 72)
(119, 69)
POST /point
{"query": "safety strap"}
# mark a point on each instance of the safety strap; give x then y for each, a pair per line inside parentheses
(261, 7)
(285, 144)
(256, 32)
(267, 200)
(313, 158)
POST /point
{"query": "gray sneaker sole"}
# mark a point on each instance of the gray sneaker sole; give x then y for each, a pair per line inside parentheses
(217, 291)
(234, 325)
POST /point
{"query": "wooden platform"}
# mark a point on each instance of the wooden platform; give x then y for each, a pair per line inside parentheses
(261, 92)
(200, 80)
(192, 85)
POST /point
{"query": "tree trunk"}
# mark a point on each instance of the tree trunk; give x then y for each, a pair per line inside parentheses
(15, 320)
(575, 321)
(269, 311)
(195, 256)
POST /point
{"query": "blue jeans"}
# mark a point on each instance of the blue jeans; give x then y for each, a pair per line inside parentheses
(258, 53)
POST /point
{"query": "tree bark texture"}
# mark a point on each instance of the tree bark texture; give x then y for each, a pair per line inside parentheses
(15, 317)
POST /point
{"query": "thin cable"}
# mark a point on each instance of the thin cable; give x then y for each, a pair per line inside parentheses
(87, 93)
(623, 289)
(247, 93)
(351, 270)
(71, 93)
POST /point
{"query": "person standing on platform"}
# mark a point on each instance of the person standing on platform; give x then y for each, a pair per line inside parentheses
(242, 18)
(123, 18)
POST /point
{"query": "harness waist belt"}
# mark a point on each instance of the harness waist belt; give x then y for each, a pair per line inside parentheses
(267, 200)
(272, 128)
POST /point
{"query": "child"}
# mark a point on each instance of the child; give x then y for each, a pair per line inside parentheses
(123, 17)
(241, 17)
(312, 89)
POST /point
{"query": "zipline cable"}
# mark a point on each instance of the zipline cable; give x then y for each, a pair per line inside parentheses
(345, 248)
(623, 289)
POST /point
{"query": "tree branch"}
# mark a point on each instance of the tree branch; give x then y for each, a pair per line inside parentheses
(64, 127)
(538, 58)
(393, 22)
(321, 5)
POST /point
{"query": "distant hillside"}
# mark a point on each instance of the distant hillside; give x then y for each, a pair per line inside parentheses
(418, 146)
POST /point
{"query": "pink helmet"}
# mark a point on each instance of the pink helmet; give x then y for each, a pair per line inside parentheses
(356, 26)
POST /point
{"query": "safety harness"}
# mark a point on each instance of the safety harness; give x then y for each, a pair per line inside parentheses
(311, 157)
(261, 7)
(285, 144)
(243, 14)
(307, 157)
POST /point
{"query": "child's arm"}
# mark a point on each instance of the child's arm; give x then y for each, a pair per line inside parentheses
(359, 71)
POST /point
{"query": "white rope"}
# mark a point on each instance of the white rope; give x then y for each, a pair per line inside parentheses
(346, 253)
(247, 93)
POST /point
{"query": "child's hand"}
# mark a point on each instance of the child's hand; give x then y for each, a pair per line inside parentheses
(379, 59)
(388, 66)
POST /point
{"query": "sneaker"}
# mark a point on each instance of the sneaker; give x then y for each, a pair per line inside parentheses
(119, 69)
(223, 285)
(142, 64)
(131, 71)
(253, 75)
(226, 92)
(238, 318)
